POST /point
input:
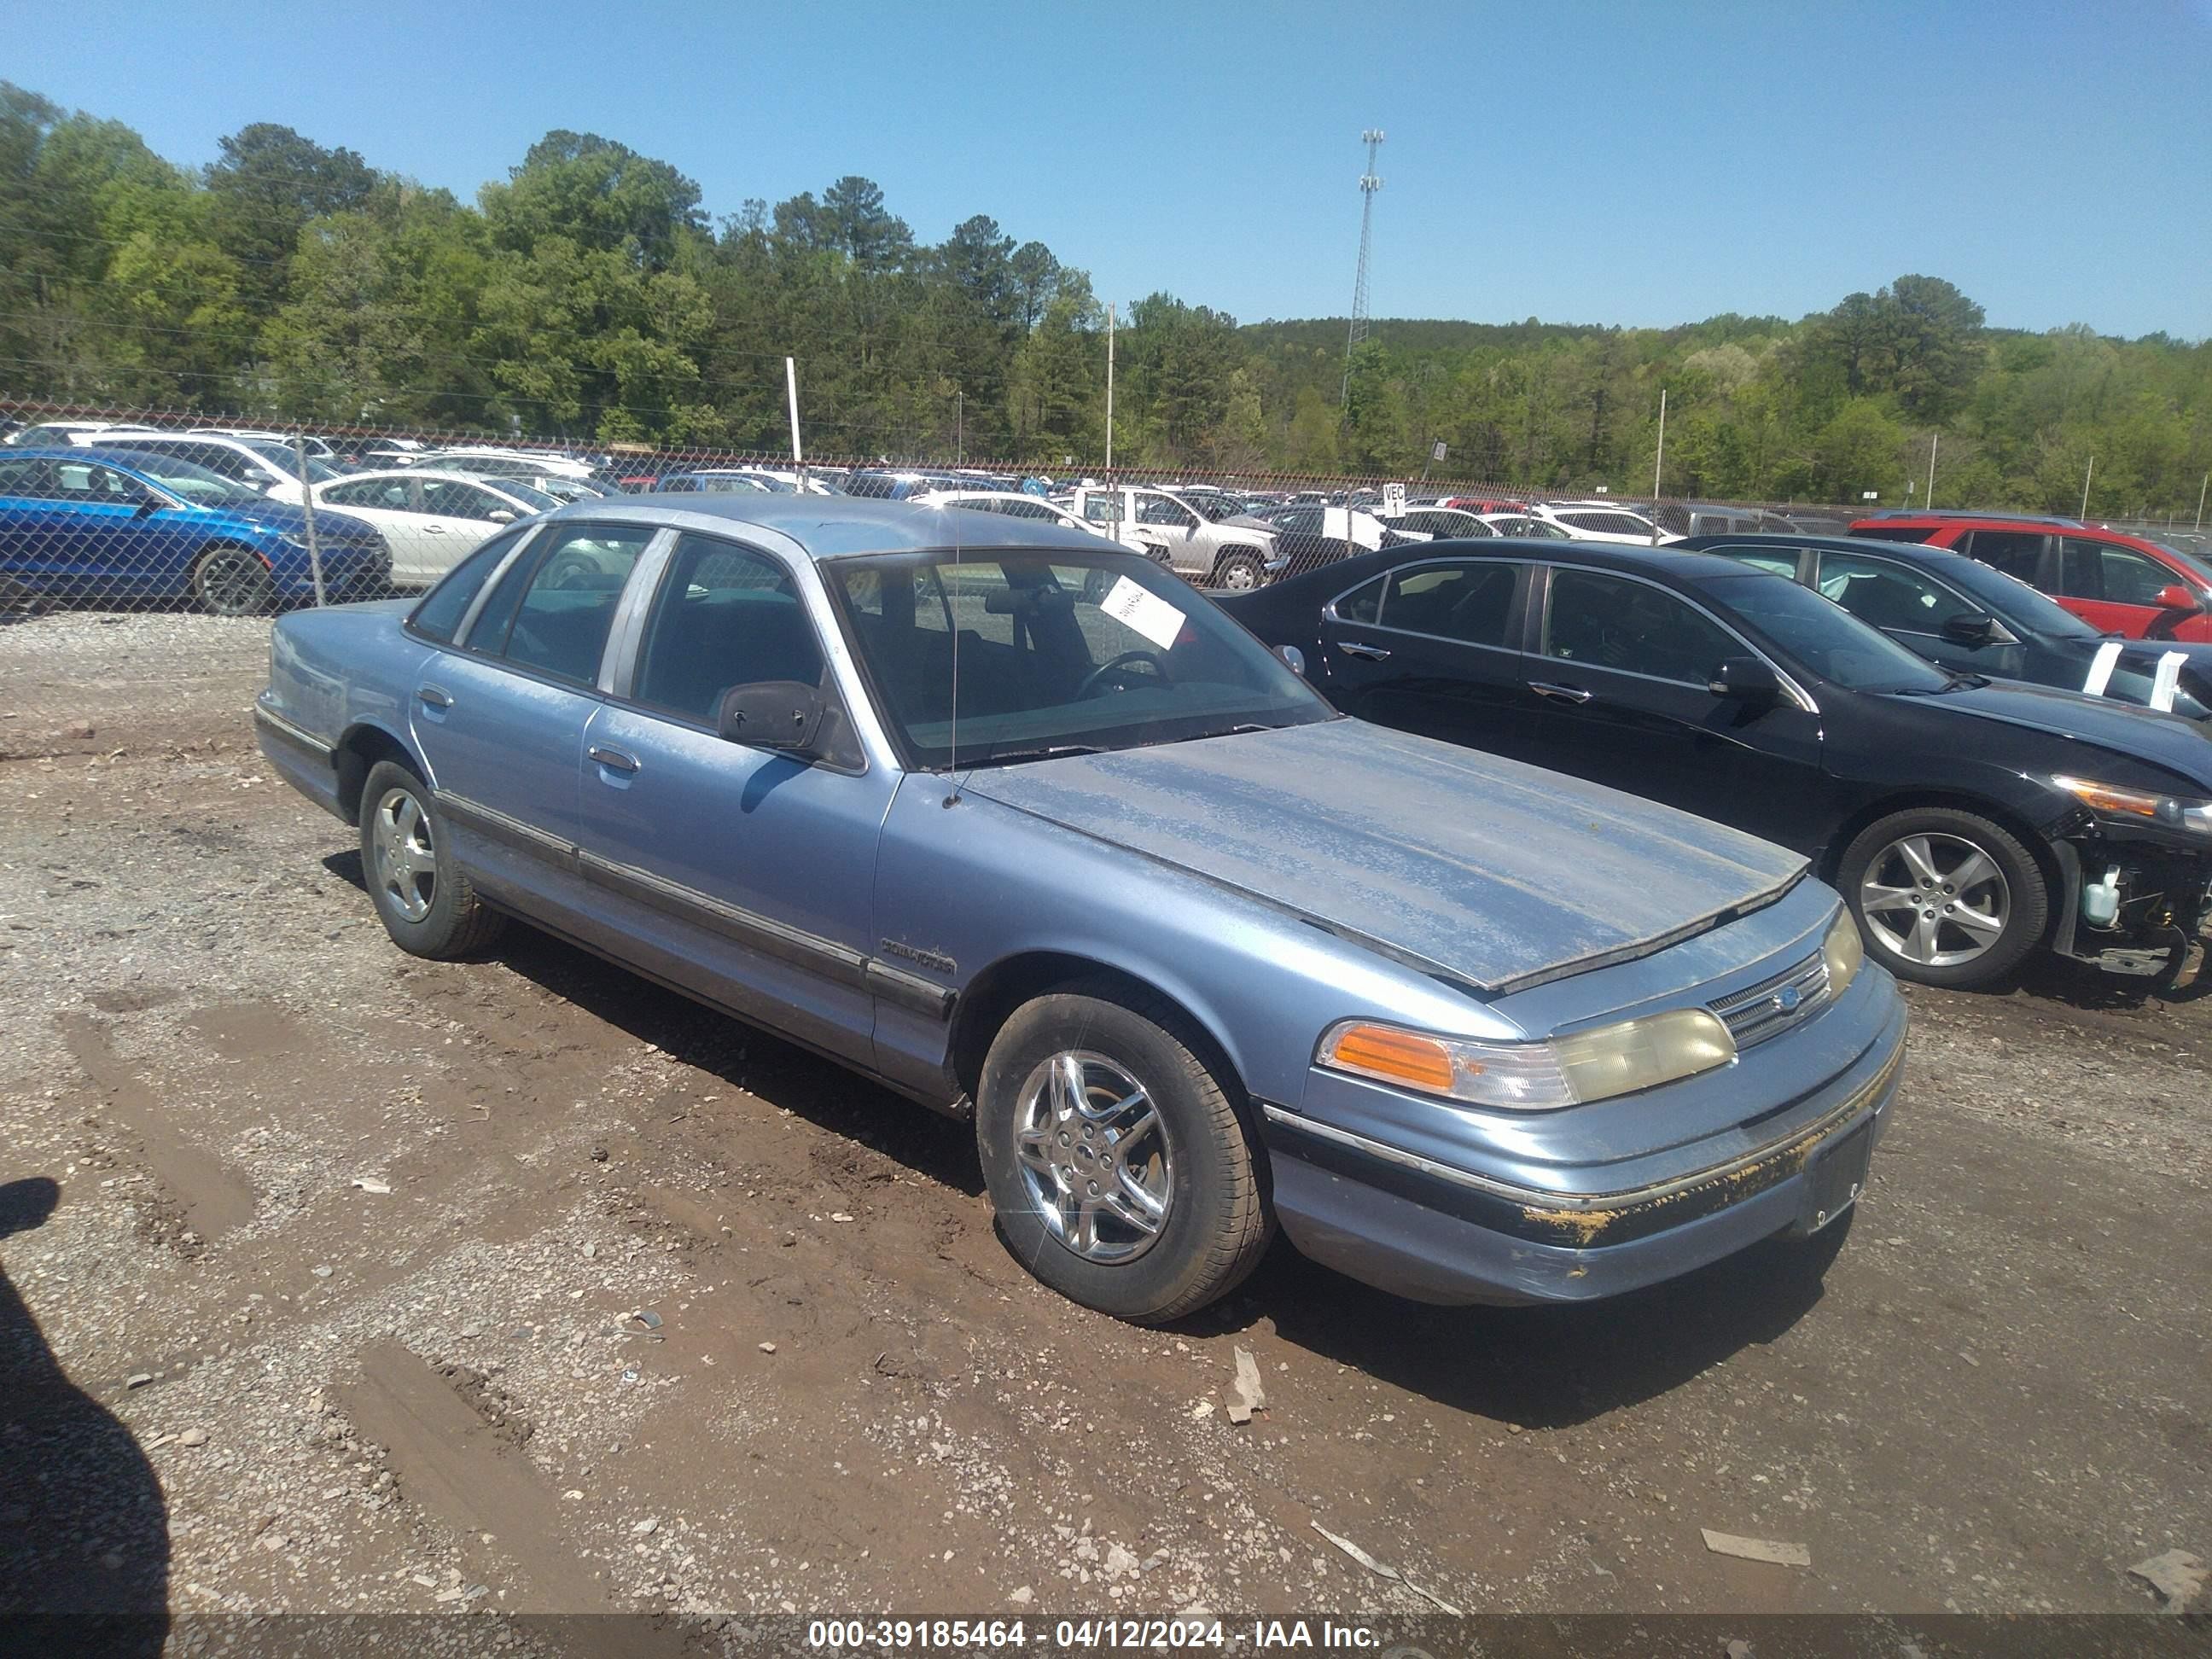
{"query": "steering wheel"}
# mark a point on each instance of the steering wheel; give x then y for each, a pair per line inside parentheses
(1092, 680)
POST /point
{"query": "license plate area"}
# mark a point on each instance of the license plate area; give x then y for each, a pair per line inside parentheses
(1837, 1176)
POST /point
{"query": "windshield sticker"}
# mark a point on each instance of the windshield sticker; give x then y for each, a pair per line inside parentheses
(2101, 668)
(1149, 614)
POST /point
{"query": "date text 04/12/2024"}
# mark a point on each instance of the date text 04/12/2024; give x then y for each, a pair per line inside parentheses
(895, 1635)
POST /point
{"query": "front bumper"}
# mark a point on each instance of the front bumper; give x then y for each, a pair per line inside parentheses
(1419, 1228)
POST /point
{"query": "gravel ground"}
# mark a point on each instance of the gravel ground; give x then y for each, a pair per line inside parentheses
(332, 1280)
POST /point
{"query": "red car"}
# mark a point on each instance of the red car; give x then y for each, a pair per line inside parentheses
(2121, 584)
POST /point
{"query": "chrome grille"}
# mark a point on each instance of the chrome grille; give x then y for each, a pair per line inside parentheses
(1773, 1005)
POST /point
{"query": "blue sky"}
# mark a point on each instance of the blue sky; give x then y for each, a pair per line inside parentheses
(1636, 163)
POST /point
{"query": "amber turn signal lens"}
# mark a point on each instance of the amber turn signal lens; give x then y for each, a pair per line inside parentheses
(1400, 1056)
(2104, 798)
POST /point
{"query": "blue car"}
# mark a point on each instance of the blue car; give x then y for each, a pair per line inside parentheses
(114, 525)
(1026, 829)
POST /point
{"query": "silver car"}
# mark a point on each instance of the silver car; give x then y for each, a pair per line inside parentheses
(1232, 555)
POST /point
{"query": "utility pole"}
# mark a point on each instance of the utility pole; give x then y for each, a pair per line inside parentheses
(1658, 465)
(2086, 477)
(1368, 184)
(959, 427)
(2201, 488)
(1109, 392)
(1934, 438)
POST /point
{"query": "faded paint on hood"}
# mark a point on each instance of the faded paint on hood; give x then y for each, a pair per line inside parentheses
(1495, 872)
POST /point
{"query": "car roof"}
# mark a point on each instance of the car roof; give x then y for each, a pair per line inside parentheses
(832, 526)
(1664, 562)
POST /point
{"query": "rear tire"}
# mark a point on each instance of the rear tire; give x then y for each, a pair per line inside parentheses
(1944, 897)
(233, 581)
(1121, 1173)
(425, 901)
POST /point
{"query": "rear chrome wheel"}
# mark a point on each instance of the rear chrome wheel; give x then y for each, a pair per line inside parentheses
(404, 860)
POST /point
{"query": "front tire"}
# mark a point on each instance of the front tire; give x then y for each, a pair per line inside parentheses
(1239, 572)
(425, 900)
(232, 581)
(1945, 898)
(1121, 1175)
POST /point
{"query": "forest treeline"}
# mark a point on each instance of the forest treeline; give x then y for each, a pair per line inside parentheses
(590, 295)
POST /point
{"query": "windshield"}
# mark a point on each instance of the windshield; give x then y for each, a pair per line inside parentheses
(2013, 598)
(543, 500)
(1822, 635)
(1057, 651)
(283, 455)
(192, 482)
(2190, 561)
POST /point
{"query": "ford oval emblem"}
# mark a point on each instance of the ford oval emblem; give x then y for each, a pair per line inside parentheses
(1788, 999)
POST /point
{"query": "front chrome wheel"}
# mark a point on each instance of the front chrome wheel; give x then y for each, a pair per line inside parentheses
(1093, 1157)
(405, 861)
(1934, 899)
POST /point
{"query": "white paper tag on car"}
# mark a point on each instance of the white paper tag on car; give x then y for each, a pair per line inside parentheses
(1149, 614)
(2167, 681)
(2101, 668)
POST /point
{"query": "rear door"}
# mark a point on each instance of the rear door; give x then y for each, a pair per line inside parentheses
(2116, 588)
(1435, 647)
(2028, 555)
(1166, 526)
(1625, 666)
(500, 719)
(456, 515)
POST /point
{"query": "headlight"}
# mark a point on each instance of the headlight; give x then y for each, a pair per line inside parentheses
(1842, 950)
(2111, 802)
(1530, 1077)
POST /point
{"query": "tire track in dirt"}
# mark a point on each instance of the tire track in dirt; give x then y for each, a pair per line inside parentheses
(215, 1194)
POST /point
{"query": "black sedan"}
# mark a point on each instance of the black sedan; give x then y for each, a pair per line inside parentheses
(1973, 619)
(1966, 821)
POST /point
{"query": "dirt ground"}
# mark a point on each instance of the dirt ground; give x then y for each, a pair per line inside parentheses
(368, 1285)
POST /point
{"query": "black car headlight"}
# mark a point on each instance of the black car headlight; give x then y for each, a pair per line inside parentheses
(2138, 806)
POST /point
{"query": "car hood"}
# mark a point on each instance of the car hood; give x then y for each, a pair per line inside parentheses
(2180, 745)
(1492, 873)
(329, 522)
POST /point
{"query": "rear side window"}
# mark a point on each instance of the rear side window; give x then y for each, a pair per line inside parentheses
(2016, 552)
(1760, 558)
(1364, 604)
(1612, 622)
(561, 626)
(1469, 603)
(442, 611)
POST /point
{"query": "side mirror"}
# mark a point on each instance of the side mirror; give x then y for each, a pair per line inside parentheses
(2177, 598)
(782, 716)
(1745, 679)
(1971, 630)
(500, 515)
(1293, 658)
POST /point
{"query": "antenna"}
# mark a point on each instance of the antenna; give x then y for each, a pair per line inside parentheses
(952, 621)
(1370, 182)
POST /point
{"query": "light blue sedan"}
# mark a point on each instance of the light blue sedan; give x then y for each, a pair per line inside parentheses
(1023, 828)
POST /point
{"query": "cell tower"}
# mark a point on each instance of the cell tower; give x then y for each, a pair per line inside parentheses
(1370, 182)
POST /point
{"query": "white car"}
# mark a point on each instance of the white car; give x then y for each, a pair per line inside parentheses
(1439, 523)
(316, 449)
(1521, 524)
(490, 461)
(432, 516)
(268, 467)
(59, 435)
(1585, 521)
(1035, 507)
(1233, 555)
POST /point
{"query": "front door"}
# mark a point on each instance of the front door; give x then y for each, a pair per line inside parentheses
(1625, 668)
(738, 871)
(2116, 589)
(500, 719)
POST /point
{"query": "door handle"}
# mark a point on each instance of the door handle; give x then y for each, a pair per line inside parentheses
(435, 696)
(1559, 693)
(615, 760)
(1353, 648)
(433, 529)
